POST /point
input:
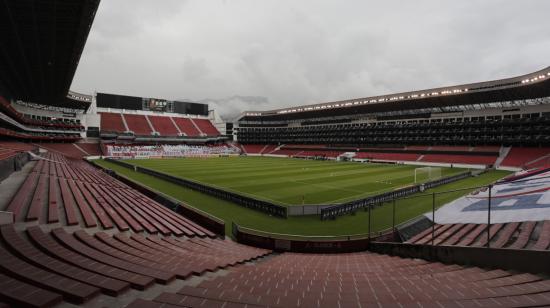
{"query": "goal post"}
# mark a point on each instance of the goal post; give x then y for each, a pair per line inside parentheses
(426, 174)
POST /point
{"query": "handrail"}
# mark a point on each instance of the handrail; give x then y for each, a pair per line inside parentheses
(296, 237)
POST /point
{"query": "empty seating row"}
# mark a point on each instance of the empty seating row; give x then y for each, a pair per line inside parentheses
(519, 157)
(187, 127)
(514, 235)
(270, 148)
(450, 148)
(486, 148)
(164, 125)
(6, 153)
(321, 153)
(286, 152)
(459, 159)
(28, 135)
(92, 149)
(112, 122)
(418, 147)
(358, 280)
(67, 149)
(387, 156)
(6, 107)
(48, 267)
(206, 127)
(9, 149)
(305, 146)
(16, 146)
(253, 148)
(379, 154)
(85, 195)
(138, 124)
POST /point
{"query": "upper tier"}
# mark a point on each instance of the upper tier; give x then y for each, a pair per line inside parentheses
(163, 125)
(529, 86)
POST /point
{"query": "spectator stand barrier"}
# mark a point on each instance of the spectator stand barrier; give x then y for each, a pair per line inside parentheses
(204, 219)
(483, 226)
(432, 238)
(307, 209)
(13, 163)
(246, 201)
(532, 261)
(297, 243)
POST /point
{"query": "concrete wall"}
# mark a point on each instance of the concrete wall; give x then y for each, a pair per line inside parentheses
(11, 164)
(532, 261)
(6, 218)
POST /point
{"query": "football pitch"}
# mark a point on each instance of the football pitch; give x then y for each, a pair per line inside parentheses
(299, 225)
(294, 181)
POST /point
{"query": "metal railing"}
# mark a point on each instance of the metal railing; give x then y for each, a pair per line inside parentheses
(240, 199)
(388, 219)
(349, 207)
(294, 237)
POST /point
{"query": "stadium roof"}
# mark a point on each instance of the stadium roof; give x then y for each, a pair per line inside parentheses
(42, 41)
(529, 86)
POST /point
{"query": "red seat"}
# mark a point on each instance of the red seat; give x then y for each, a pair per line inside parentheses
(91, 148)
(163, 125)
(253, 148)
(47, 243)
(388, 156)
(67, 149)
(519, 157)
(187, 127)
(138, 124)
(459, 159)
(206, 127)
(111, 122)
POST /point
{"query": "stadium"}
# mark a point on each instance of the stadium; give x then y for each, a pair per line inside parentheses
(428, 198)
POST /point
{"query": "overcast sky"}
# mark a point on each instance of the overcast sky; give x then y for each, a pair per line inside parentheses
(282, 53)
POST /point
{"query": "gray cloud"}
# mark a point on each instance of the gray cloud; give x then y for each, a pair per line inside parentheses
(288, 52)
(235, 105)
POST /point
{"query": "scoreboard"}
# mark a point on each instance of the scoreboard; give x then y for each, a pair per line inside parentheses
(154, 104)
(105, 100)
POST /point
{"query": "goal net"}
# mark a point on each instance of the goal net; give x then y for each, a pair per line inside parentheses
(425, 174)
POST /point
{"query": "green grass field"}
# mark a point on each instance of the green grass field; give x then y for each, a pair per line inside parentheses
(304, 225)
(292, 181)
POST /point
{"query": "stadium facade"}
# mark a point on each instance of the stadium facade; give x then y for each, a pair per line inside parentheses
(512, 111)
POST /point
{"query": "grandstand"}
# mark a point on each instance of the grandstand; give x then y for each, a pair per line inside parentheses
(494, 123)
(180, 150)
(513, 235)
(73, 232)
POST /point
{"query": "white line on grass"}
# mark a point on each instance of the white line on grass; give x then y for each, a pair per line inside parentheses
(327, 186)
